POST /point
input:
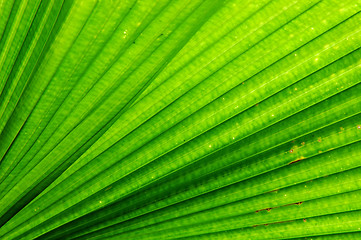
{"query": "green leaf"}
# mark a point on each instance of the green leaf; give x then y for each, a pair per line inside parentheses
(180, 119)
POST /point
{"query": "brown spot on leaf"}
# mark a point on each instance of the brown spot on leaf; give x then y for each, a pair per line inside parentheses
(264, 209)
(275, 190)
(297, 160)
(282, 222)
